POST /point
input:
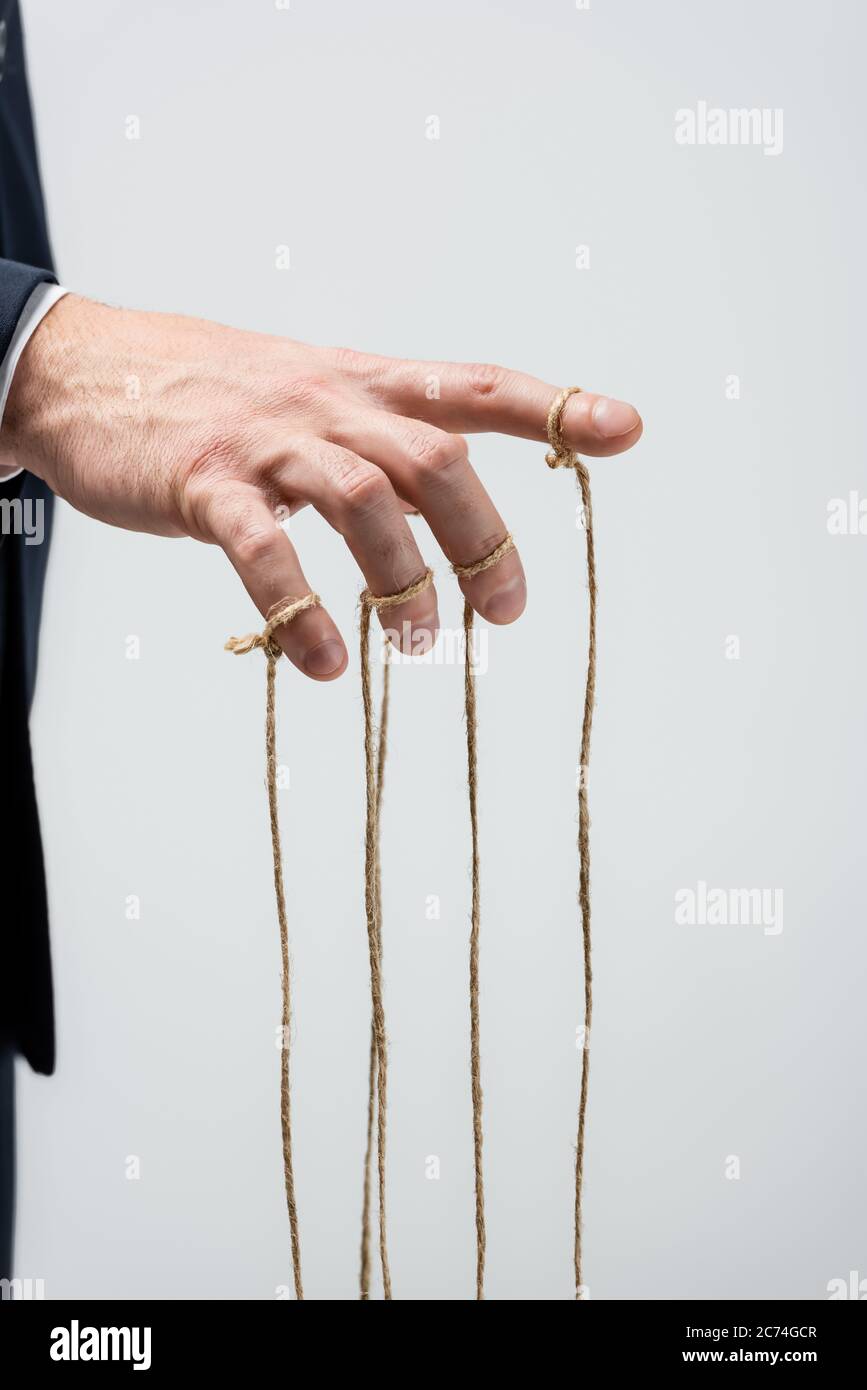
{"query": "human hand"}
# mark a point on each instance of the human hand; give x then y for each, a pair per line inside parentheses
(181, 427)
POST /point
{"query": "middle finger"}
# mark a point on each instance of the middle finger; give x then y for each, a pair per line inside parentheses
(430, 468)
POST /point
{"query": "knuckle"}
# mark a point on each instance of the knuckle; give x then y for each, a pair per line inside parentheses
(349, 362)
(215, 452)
(252, 542)
(434, 453)
(362, 371)
(307, 391)
(484, 378)
(205, 481)
(361, 487)
(220, 511)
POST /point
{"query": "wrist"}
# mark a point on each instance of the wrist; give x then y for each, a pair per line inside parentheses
(40, 378)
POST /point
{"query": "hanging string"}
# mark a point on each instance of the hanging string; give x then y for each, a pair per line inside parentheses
(364, 1275)
(283, 612)
(373, 909)
(470, 572)
(561, 456)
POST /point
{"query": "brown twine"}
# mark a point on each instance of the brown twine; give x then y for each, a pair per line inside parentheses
(475, 929)
(374, 760)
(283, 612)
(561, 456)
(469, 572)
(364, 1275)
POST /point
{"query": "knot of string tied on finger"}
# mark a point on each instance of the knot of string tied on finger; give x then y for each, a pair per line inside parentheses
(560, 455)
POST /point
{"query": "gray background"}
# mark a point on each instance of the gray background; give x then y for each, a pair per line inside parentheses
(262, 127)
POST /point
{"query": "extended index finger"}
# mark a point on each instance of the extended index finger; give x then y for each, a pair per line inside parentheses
(466, 398)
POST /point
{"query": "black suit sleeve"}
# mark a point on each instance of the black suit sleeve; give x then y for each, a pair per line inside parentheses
(17, 283)
(26, 1010)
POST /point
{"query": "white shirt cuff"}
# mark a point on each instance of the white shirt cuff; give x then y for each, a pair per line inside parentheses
(43, 298)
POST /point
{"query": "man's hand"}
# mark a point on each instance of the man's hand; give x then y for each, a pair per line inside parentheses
(186, 428)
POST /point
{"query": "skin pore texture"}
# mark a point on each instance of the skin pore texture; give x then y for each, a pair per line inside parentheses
(182, 427)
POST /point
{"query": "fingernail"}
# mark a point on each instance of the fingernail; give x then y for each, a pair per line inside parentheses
(614, 417)
(325, 658)
(506, 604)
(416, 637)
(424, 633)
